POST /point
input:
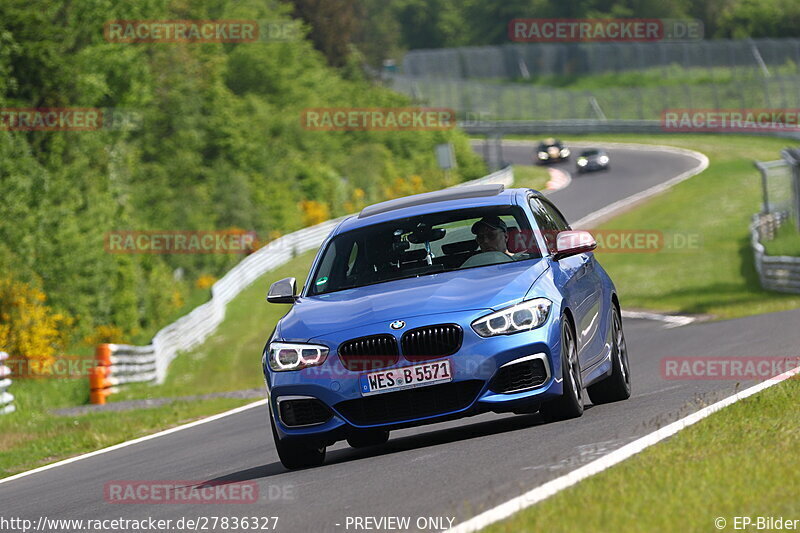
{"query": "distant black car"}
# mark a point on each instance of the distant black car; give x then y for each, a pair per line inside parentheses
(593, 159)
(550, 150)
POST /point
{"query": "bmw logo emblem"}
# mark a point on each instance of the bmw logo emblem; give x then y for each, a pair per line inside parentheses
(397, 324)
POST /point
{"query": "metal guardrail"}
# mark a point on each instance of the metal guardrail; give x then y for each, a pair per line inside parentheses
(120, 364)
(6, 398)
(776, 273)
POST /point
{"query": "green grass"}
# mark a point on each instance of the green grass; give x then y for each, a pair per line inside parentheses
(740, 461)
(719, 276)
(529, 176)
(786, 241)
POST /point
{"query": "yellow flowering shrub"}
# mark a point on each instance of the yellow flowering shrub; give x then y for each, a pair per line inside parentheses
(103, 334)
(29, 328)
(314, 212)
(405, 187)
(205, 281)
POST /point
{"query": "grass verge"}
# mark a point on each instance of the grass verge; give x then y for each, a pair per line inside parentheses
(530, 176)
(737, 462)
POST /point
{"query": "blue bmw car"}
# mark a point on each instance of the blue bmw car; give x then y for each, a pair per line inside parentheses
(439, 306)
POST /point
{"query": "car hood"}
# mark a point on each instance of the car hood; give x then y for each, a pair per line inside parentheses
(489, 287)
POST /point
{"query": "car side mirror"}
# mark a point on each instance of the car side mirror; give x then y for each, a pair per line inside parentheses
(282, 292)
(573, 242)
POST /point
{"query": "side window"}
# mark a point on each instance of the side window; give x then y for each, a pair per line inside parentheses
(548, 224)
(555, 214)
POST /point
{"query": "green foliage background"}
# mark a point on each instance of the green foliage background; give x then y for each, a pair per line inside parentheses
(219, 145)
(388, 27)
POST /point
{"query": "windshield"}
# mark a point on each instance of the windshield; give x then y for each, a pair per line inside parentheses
(424, 245)
(587, 153)
(544, 146)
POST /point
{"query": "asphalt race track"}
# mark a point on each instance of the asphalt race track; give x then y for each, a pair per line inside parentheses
(450, 470)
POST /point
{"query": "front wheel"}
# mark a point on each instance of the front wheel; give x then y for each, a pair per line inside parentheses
(617, 386)
(570, 404)
(297, 453)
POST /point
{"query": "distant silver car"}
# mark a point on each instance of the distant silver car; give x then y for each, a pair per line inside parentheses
(592, 159)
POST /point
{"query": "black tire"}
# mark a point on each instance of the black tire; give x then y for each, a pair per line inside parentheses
(617, 386)
(570, 404)
(297, 453)
(366, 438)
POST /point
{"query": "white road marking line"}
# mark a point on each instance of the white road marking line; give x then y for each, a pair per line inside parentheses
(555, 486)
(659, 391)
(673, 321)
(135, 441)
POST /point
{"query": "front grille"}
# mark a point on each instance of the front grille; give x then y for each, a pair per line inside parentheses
(369, 353)
(523, 375)
(430, 342)
(303, 412)
(411, 403)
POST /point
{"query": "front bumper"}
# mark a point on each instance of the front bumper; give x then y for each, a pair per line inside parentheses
(474, 367)
(592, 165)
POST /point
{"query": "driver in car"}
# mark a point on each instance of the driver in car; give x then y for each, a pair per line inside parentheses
(492, 235)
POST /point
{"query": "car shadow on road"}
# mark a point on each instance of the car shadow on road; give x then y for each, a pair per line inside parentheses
(441, 436)
(396, 445)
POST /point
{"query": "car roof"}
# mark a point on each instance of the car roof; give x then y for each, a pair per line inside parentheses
(426, 203)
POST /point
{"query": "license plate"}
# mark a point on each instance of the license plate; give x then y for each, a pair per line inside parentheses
(406, 377)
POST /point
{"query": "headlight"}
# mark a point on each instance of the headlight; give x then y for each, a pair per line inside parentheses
(542, 155)
(582, 162)
(602, 160)
(524, 316)
(564, 152)
(295, 356)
